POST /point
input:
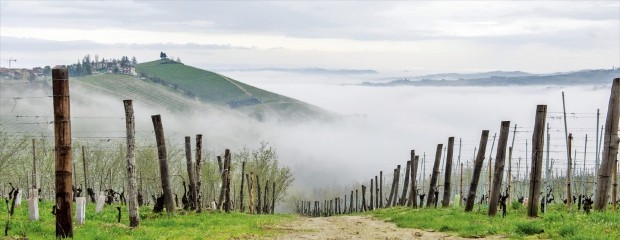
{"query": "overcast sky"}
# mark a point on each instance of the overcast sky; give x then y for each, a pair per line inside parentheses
(461, 36)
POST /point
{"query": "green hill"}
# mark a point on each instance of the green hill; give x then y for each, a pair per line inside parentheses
(210, 87)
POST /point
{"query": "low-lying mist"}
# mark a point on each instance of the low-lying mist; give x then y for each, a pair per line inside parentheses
(377, 129)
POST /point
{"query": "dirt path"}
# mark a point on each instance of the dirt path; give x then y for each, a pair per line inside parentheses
(352, 227)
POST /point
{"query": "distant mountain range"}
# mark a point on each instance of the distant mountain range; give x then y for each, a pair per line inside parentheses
(322, 71)
(500, 78)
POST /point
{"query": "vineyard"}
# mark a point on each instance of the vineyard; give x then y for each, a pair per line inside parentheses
(145, 184)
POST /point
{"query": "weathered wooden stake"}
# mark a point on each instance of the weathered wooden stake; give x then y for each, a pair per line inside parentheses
(610, 149)
(447, 180)
(403, 196)
(500, 158)
(393, 189)
(266, 209)
(376, 193)
(132, 188)
(241, 207)
(381, 189)
(434, 176)
(251, 192)
(163, 163)
(364, 209)
(538, 142)
(258, 208)
(198, 170)
(35, 179)
(62, 133)
(190, 174)
(273, 197)
(471, 197)
(372, 206)
(413, 192)
(227, 166)
(569, 198)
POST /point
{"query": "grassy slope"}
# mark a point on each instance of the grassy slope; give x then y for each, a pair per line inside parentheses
(214, 88)
(152, 226)
(557, 224)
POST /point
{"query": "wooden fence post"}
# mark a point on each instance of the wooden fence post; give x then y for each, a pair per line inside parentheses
(434, 176)
(273, 197)
(227, 166)
(413, 193)
(35, 171)
(447, 180)
(241, 207)
(381, 189)
(610, 148)
(258, 209)
(376, 193)
(392, 189)
(163, 163)
(500, 158)
(198, 169)
(190, 174)
(538, 142)
(471, 197)
(62, 133)
(251, 192)
(569, 198)
(132, 188)
(364, 208)
(372, 206)
(403, 197)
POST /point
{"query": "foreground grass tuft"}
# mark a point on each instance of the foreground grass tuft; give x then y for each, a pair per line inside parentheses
(558, 223)
(183, 225)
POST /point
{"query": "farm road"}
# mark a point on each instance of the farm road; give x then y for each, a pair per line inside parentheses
(354, 227)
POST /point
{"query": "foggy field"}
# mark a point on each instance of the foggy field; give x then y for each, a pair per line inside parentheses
(309, 119)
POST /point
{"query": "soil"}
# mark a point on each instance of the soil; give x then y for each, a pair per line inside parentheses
(354, 227)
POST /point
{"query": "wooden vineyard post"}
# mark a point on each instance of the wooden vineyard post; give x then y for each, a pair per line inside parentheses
(191, 176)
(381, 189)
(250, 192)
(376, 193)
(434, 176)
(258, 209)
(448, 174)
(471, 196)
(35, 172)
(273, 197)
(461, 186)
(266, 209)
(241, 207)
(163, 163)
(509, 177)
(85, 166)
(364, 209)
(569, 199)
(227, 166)
(198, 172)
(219, 164)
(413, 192)
(372, 206)
(538, 142)
(403, 196)
(610, 148)
(351, 203)
(62, 133)
(132, 188)
(392, 189)
(500, 158)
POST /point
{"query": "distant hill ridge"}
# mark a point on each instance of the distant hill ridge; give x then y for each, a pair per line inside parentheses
(499, 78)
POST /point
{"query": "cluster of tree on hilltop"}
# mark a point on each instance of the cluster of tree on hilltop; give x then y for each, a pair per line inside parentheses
(88, 66)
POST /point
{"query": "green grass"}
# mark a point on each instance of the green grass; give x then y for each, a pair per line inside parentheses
(557, 224)
(183, 225)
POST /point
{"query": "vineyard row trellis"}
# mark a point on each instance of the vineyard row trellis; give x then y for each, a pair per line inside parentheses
(603, 179)
(67, 192)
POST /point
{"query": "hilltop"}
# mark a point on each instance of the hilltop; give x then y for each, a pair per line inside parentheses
(217, 89)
